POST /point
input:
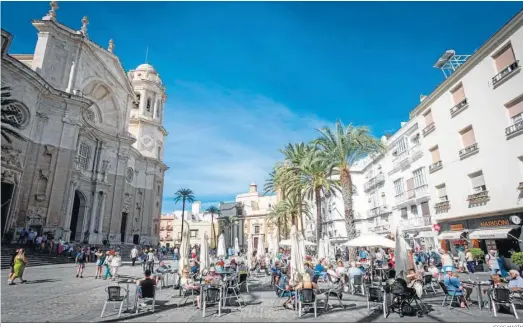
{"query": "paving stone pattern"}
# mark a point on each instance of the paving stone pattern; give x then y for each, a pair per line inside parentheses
(54, 294)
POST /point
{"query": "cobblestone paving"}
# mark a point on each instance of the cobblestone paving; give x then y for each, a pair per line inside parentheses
(53, 294)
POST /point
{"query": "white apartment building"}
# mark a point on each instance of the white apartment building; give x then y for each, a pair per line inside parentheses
(456, 167)
(473, 134)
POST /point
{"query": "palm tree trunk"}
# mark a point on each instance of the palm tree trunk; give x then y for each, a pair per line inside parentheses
(183, 218)
(317, 195)
(346, 191)
(213, 232)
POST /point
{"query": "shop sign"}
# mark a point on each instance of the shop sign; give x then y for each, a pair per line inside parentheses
(456, 227)
(494, 223)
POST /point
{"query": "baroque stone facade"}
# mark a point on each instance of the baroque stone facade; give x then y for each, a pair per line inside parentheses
(90, 167)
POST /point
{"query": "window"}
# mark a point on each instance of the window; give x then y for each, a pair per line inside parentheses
(136, 104)
(419, 177)
(254, 205)
(441, 191)
(434, 152)
(256, 229)
(159, 154)
(148, 105)
(15, 113)
(402, 146)
(425, 211)
(467, 137)
(478, 182)
(504, 58)
(415, 139)
(194, 233)
(404, 214)
(414, 210)
(83, 155)
(155, 229)
(398, 186)
(157, 204)
(428, 118)
(158, 190)
(515, 110)
(458, 94)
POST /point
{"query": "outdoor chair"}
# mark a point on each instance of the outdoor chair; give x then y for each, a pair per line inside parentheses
(141, 301)
(377, 295)
(453, 295)
(502, 296)
(232, 291)
(428, 282)
(243, 280)
(356, 284)
(114, 295)
(212, 294)
(306, 297)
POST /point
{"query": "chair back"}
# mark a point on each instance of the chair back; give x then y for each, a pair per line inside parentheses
(114, 293)
(501, 295)
(358, 280)
(427, 279)
(444, 288)
(242, 278)
(375, 294)
(307, 295)
(213, 294)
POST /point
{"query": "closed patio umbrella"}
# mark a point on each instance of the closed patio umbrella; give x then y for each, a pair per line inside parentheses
(250, 251)
(184, 247)
(297, 260)
(321, 249)
(236, 246)
(270, 244)
(275, 243)
(260, 252)
(205, 261)
(401, 255)
(222, 252)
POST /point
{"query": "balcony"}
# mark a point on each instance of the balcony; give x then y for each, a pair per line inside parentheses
(514, 130)
(429, 129)
(381, 228)
(442, 206)
(459, 108)
(378, 211)
(374, 182)
(520, 187)
(505, 73)
(416, 152)
(401, 160)
(412, 196)
(435, 166)
(415, 221)
(468, 151)
(477, 198)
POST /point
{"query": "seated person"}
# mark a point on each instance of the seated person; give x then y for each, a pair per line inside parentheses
(220, 266)
(319, 270)
(391, 277)
(290, 286)
(433, 270)
(212, 277)
(242, 268)
(454, 286)
(146, 287)
(188, 284)
(310, 271)
(495, 283)
(354, 271)
(162, 269)
(276, 272)
(332, 273)
(340, 270)
(233, 265)
(194, 266)
(516, 282)
(306, 283)
(414, 282)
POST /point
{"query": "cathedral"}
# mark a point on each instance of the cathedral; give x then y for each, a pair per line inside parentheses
(87, 167)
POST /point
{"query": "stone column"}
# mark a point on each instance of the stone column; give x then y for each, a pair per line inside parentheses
(94, 212)
(99, 226)
(155, 107)
(69, 211)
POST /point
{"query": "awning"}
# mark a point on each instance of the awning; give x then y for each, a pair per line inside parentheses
(487, 234)
(426, 233)
(451, 235)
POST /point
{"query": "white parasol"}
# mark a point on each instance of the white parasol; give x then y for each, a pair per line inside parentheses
(184, 247)
(401, 255)
(321, 249)
(236, 246)
(275, 243)
(296, 258)
(250, 250)
(301, 247)
(289, 243)
(371, 240)
(222, 252)
(205, 261)
(270, 244)
(260, 251)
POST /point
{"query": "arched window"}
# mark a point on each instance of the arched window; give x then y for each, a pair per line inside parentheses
(148, 106)
(16, 114)
(89, 115)
(83, 155)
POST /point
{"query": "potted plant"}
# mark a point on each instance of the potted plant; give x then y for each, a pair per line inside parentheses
(478, 255)
(517, 259)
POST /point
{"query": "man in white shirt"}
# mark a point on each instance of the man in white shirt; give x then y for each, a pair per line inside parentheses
(134, 255)
(379, 258)
(38, 243)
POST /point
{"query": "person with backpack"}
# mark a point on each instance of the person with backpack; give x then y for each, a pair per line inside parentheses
(80, 263)
(492, 260)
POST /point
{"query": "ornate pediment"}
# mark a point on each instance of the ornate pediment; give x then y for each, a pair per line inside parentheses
(10, 156)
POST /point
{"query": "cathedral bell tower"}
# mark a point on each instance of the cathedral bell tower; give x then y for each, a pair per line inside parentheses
(146, 119)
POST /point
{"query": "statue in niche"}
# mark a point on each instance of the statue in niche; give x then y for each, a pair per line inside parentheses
(10, 156)
(41, 188)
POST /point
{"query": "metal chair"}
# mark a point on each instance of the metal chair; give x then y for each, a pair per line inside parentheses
(428, 282)
(139, 300)
(377, 295)
(453, 295)
(356, 282)
(242, 280)
(307, 296)
(502, 296)
(114, 295)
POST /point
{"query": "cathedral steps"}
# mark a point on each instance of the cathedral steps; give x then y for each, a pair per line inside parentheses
(35, 258)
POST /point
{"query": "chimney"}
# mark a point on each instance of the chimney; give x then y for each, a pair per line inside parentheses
(422, 97)
(253, 188)
(196, 207)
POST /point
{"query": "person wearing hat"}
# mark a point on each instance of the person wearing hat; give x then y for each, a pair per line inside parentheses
(454, 286)
(212, 277)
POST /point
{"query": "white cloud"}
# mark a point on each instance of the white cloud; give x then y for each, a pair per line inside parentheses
(222, 140)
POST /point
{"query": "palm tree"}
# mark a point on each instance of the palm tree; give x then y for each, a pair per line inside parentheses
(213, 210)
(314, 181)
(9, 126)
(279, 216)
(343, 147)
(184, 195)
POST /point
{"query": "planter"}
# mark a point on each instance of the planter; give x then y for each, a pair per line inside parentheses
(480, 267)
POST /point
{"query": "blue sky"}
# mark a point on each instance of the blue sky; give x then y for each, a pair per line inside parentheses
(246, 78)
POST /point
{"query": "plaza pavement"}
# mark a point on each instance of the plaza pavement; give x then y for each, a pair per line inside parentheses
(54, 294)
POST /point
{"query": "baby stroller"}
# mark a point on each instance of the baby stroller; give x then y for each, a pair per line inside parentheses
(403, 298)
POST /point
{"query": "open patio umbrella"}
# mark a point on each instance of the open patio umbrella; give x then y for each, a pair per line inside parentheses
(297, 260)
(205, 261)
(236, 246)
(222, 252)
(371, 240)
(260, 251)
(250, 250)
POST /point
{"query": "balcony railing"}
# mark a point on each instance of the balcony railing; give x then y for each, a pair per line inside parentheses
(375, 181)
(377, 211)
(478, 197)
(520, 187)
(400, 197)
(468, 151)
(435, 166)
(380, 228)
(415, 193)
(441, 206)
(511, 130)
(459, 107)
(416, 152)
(505, 72)
(429, 129)
(416, 222)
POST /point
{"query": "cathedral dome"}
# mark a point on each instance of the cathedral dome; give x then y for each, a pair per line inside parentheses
(146, 68)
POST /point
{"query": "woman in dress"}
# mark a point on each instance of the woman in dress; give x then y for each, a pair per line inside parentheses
(20, 262)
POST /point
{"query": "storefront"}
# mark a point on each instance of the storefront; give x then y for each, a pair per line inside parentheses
(499, 233)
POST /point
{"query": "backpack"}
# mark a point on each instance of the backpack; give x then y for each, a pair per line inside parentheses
(81, 257)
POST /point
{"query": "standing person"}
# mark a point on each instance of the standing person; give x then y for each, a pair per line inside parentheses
(175, 254)
(115, 264)
(38, 243)
(107, 264)
(80, 263)
(20, 262)
(470, 260)
(12, 265)
(363, 255)
(134, 255)
(379, 257)
(150, 260)
(100, 255)
(447, 261)
(492, 260)
(462, 259)
(23, 234)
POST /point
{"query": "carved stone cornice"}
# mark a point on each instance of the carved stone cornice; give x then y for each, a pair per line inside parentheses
(44, 116)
